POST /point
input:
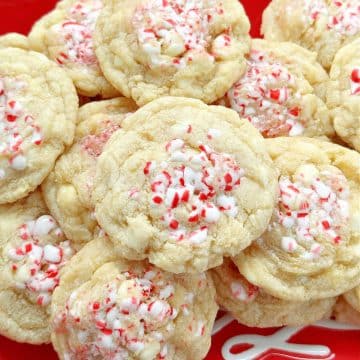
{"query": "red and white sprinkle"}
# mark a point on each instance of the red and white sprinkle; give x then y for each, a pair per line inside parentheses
(315, 206)
(18, 131)
(35, 263)
(355, 81)
(130, 315)
(170, 31)
(77, 31)
(266, 96)
(197, 184)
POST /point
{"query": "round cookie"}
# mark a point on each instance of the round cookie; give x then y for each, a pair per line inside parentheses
(323, 26)
(32, 251)
(191, 48)
(343, 97)
(253, 307)
(311, 247)
(65, 35)
(188, 183)
(38, 104)
(111, 308)
(345, 313)
(14, 40)
(280, 92)
(68, 188)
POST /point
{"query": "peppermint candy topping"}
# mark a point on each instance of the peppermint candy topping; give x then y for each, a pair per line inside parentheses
(94, 144)
(133, 317)
(169, 31)
(18, 130)
(347, 19)
(191, 190)
(266, 96)
(244, 293)
(355, 81)
(36, 261)
(77, 32)
(314, 206)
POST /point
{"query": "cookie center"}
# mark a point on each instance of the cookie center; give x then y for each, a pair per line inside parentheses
(267, 97)
(170, 32)
(18, 130)
(191, 190)
(77, 31)
(313, 208)
(133, 316)
(36, 257)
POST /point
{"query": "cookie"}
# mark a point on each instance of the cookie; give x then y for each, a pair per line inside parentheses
(110, 308)
(14, 40)
(38, 104)
(188, 183)
(280, 92)
(33, 249)
(343, 97)
(65, 35)
(311, 247)
(323, 26)
(353, 298)
(191, 48)
(345, 313)
(68, 188)
(252, 306)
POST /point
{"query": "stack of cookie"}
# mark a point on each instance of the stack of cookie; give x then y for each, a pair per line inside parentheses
(203, 169)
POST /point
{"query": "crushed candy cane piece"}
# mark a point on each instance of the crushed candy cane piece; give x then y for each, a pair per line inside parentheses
(193, 188)
(34, 262)
(266, 96)
(18, 130)
(312, 207)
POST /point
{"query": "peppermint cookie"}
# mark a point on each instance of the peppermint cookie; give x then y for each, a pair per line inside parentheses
(252, 306)
(280, 92)
(14, 40)
(311, 249)
(68, 188)
(186, 182)
(323, 26)
(343, 96)
(38, 105)
(111, 308)
(345, 313)
(65, 35)
(153, 48)
(33, 249)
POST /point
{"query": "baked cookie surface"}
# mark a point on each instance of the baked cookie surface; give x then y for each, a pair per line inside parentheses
(65, 35)
(33, 249)
(323, 26)
(343, 97)
(14, 40)
(252, 306)
(281, 91)
(110, 308)
(68, 188)
(37, 120)
(311, 247)
(187, 182)
(154, 48)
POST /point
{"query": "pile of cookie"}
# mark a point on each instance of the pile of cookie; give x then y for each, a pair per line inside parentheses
(202, 169)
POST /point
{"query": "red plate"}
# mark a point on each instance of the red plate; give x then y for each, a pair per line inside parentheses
(231, 341)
